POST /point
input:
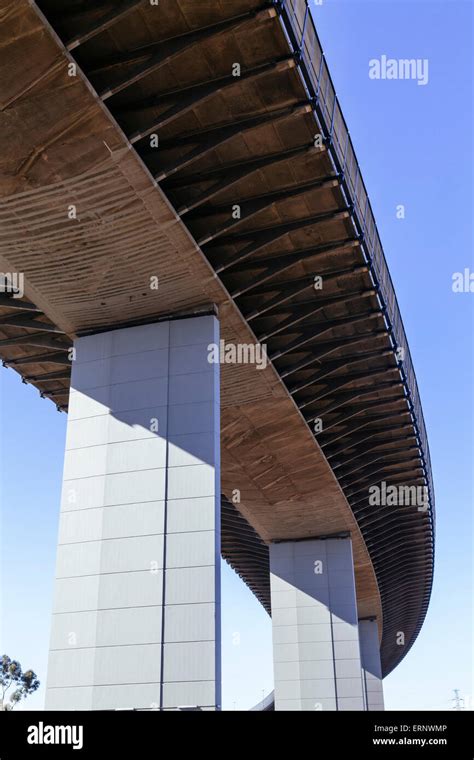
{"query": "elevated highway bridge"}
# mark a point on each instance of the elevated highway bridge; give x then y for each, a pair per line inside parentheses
(200, 146)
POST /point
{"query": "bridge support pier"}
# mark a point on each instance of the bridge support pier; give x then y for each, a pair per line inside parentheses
(136, 619)
(316, 650)
(371, 667)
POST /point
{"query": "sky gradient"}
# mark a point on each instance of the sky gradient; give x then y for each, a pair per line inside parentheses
(414, 145)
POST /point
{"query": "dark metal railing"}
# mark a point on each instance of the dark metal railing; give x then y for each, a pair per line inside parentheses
(298, 24)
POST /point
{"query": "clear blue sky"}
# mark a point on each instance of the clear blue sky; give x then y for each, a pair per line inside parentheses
(414, 145)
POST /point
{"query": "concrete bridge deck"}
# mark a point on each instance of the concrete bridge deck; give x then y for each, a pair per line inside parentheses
(252, 192)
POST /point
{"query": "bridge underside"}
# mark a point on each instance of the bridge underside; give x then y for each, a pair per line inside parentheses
(239, 208)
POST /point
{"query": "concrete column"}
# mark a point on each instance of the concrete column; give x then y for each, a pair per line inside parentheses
(314, 620)
(136, 619)
(371, 667)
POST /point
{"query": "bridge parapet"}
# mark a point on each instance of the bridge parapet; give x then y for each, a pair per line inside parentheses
(299, 25)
